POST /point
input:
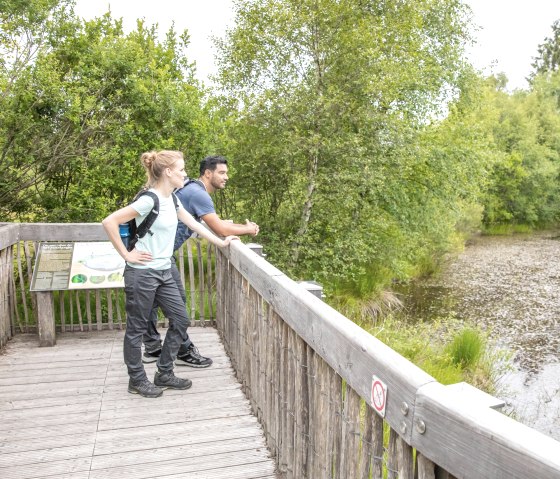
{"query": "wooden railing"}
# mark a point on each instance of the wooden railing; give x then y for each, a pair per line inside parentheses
(81, 310)
(308, 372)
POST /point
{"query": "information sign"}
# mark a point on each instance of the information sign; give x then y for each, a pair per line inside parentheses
(86, 265)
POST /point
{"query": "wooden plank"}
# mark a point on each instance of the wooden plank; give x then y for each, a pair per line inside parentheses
(426, 468)
(356, 355)
(336, 413)
(367, 444)
(13, 295)
(285, 441)
(224, 444)
(291, 429)
(71, 306)
(191, 278)
(200, 283)
(22, 284)
(406, 464)
(224, 465)
(62, 311)
(46, 469)
(62, 232)
(104, 428)
(118, 307)
(209, 282)
(352, 439)
(454, 432)
(9, 234)
(5, 296)
(109, 308)
(29, 254)
(45, 455)
(344, 433)
(392, 456)
(98, 312)
(377, 466)
(79, 309)
(88, 309)
(352, 352)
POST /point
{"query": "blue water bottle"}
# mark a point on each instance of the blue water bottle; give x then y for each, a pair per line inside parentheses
(124, 231)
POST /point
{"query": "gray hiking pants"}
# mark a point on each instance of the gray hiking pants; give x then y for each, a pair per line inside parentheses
(152, 338)
(142, 288)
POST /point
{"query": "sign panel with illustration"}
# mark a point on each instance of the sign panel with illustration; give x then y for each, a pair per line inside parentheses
(89, 265)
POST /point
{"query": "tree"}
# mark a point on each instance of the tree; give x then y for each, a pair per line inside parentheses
(523, 186)
(548, 59)
(91, 101)
(329, 100)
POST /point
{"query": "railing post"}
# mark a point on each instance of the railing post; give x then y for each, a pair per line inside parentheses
(45, 318)
(313, 287)
(257, 248)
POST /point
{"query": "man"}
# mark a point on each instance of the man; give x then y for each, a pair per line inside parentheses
(195, 198)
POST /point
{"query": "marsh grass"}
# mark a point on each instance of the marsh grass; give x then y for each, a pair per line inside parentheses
(506, 230)
(466, 348)
(445, 348)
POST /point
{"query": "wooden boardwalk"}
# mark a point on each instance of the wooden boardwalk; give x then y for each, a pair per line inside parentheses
(65, 413)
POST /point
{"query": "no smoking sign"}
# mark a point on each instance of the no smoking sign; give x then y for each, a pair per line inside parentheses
(378, 395)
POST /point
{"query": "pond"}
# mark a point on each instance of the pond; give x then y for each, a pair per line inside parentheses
(509, 286)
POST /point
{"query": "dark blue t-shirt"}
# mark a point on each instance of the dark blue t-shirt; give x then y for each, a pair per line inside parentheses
(196, 200)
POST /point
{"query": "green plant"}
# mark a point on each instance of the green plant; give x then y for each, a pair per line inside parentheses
(466, 348)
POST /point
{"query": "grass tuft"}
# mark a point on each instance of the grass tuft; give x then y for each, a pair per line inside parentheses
(466, 348)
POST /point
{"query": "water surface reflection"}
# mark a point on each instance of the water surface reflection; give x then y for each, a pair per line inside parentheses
(510, 285)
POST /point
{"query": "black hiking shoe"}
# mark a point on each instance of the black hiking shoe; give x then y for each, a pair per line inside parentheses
(193, 359)
(151, 357)
(144, 388)
(170, 381)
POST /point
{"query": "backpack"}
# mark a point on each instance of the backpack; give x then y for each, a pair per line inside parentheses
(137, 232)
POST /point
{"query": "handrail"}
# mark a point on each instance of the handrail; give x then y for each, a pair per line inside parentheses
(84, 309)
(467, 440)
(308, 372)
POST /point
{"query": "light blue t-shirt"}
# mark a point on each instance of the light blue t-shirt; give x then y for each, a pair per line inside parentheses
(160, 244)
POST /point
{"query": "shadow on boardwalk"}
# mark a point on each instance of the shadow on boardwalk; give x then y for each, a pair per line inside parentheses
(66, 413)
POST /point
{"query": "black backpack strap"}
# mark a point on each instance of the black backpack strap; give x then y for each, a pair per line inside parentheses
(144, 228)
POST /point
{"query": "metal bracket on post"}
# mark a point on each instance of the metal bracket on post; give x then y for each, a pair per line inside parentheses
(313, 287)
(257, 248)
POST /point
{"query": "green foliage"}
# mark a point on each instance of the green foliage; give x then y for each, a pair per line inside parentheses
(334, 157)
(436, 349)
(523, 185)
(548, 58)
(466, 348)
(77, 117)
(506, 229)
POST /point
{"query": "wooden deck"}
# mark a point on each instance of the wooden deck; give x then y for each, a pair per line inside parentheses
(65, 413)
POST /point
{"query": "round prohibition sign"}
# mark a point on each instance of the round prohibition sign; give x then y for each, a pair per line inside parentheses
(378, 395)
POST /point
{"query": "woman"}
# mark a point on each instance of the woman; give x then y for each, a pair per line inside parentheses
(147, 275)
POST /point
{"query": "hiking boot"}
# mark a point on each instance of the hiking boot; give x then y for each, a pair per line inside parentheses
(193, 359)
(151, 357)
(170, 381)
(144, 388)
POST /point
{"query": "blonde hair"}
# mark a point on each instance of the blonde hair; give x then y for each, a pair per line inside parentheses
(155, 162)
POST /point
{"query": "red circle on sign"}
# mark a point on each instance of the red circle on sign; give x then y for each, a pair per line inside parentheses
(378, 395)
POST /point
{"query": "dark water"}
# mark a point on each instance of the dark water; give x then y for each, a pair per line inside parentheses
(509, 286)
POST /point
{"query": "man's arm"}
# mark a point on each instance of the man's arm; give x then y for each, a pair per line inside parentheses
(226, 228)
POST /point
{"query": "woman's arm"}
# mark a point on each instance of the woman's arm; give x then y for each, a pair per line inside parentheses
(194, 225)
(111, 224)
